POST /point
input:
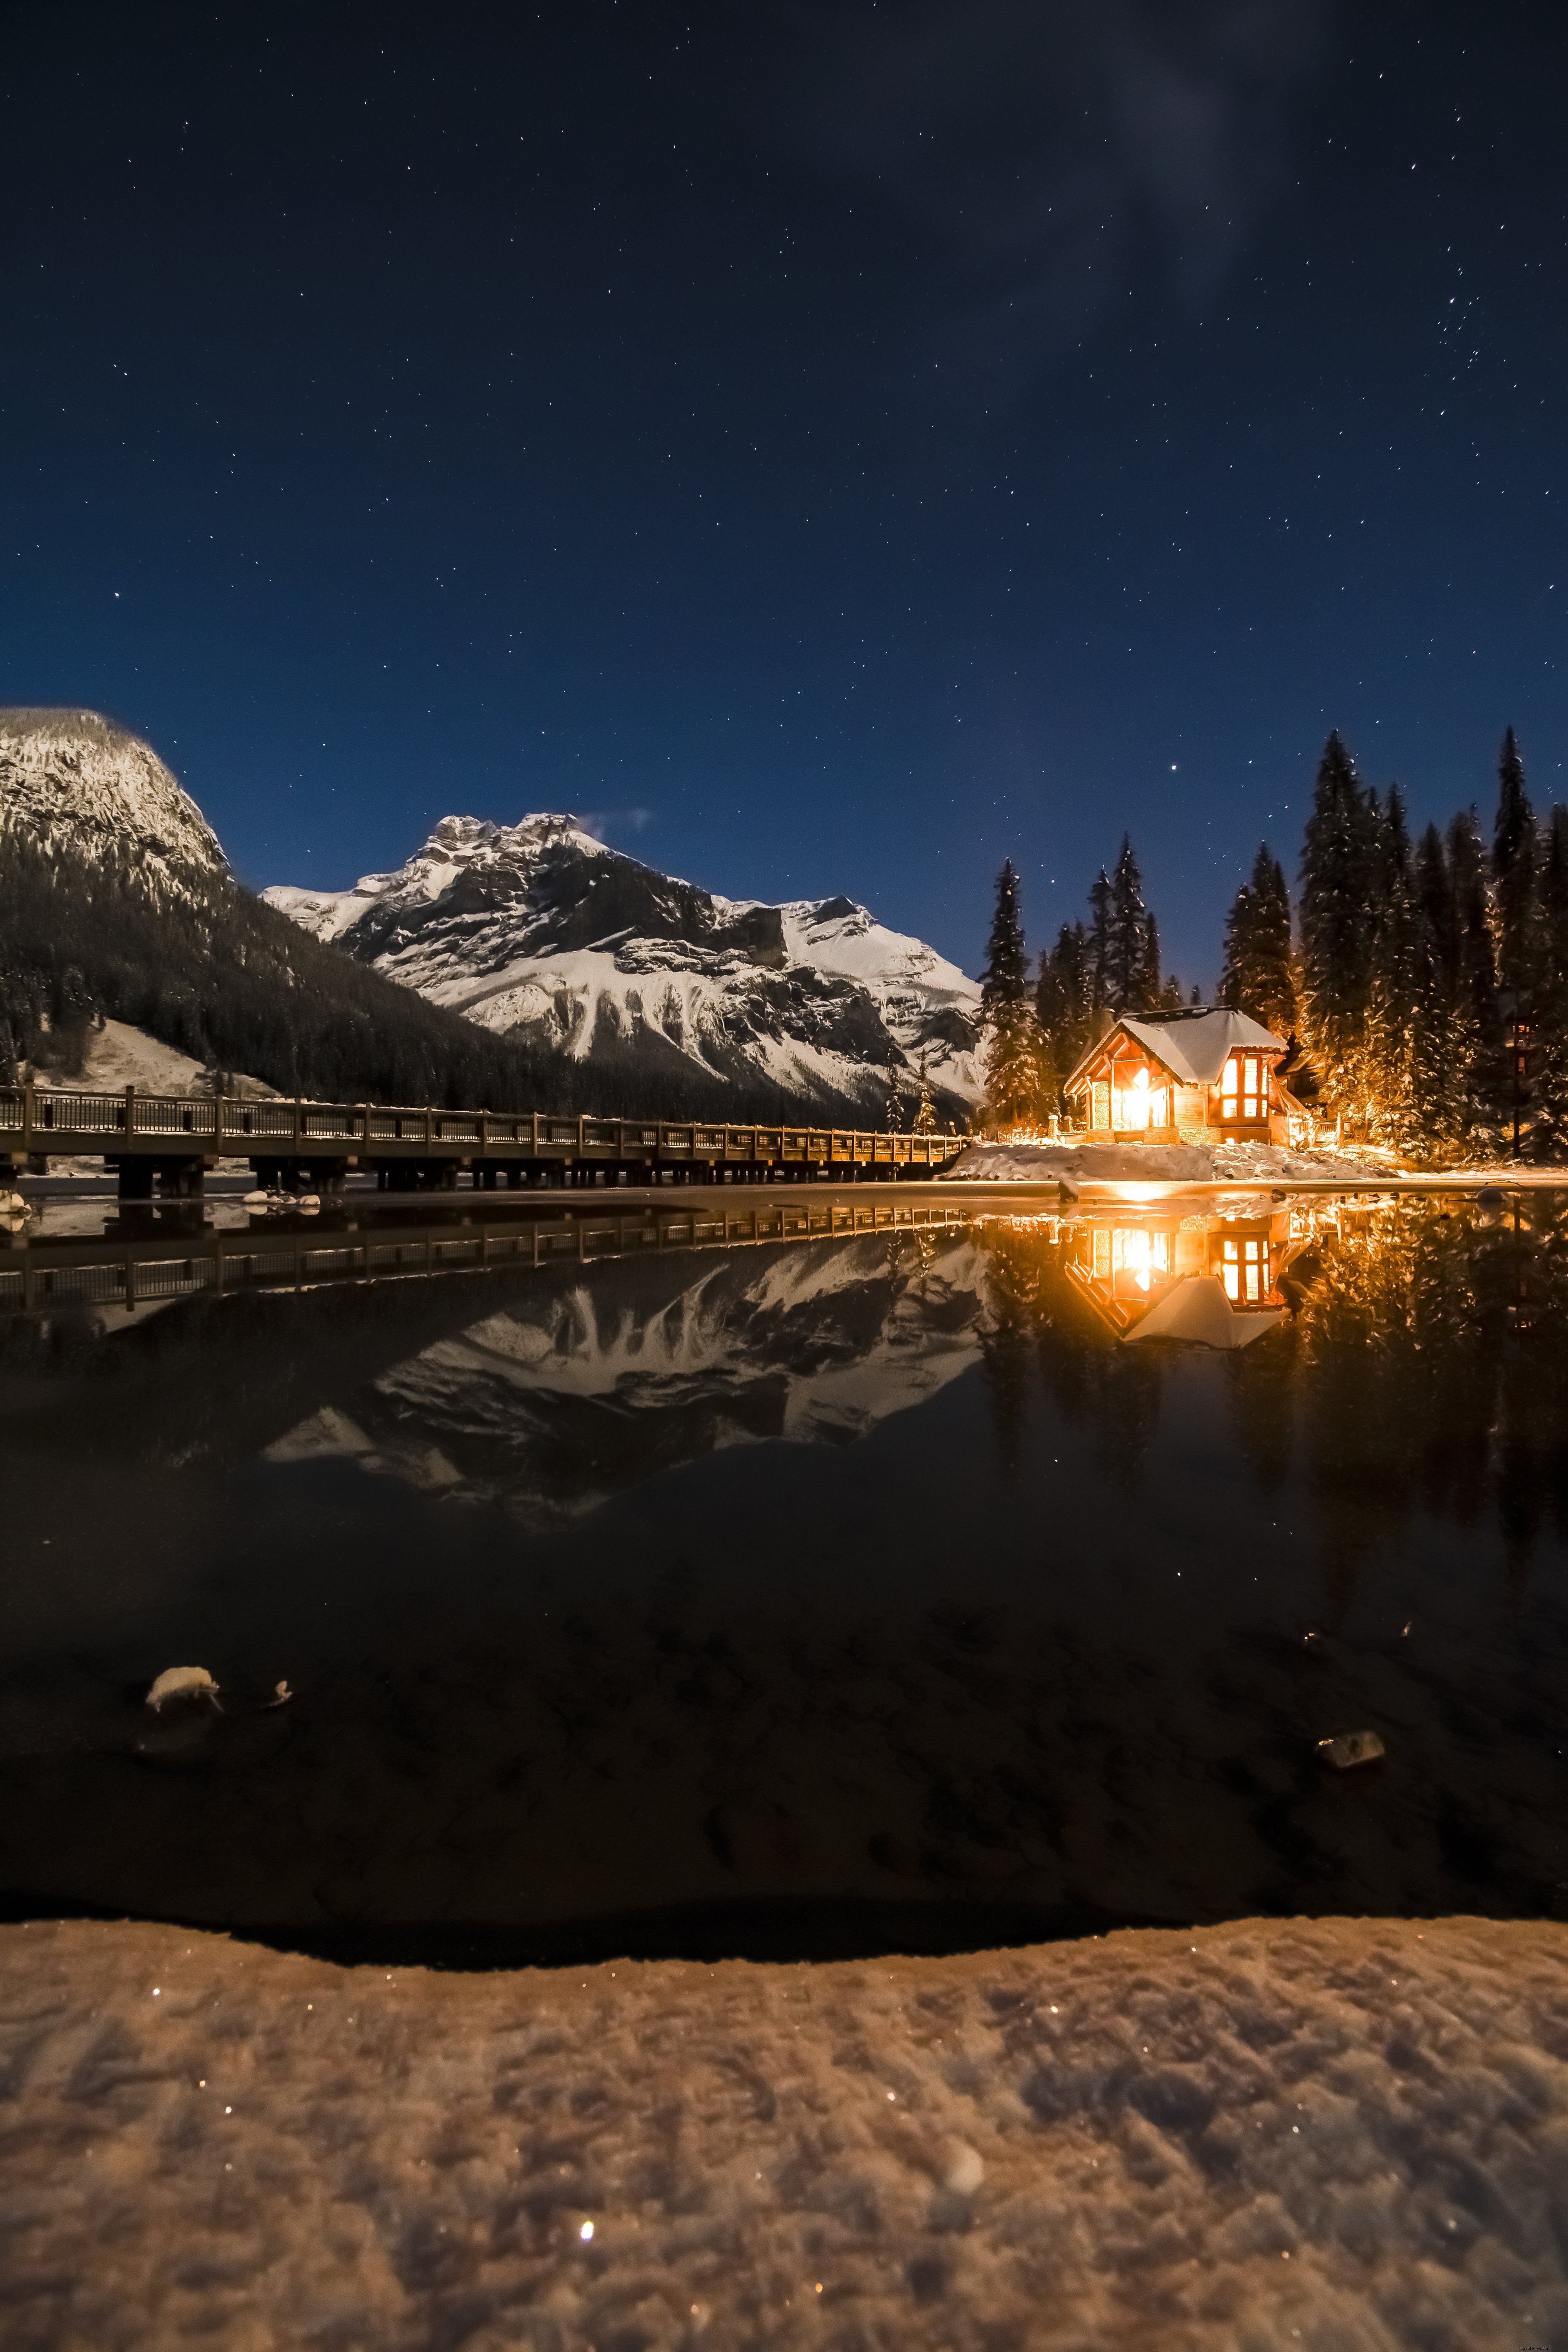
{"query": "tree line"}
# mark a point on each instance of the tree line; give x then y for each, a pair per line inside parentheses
(1424, 984)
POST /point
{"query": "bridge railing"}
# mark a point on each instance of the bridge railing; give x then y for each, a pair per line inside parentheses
(45, 1120)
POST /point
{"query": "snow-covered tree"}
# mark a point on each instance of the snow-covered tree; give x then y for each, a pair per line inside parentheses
(1257, 976)
(1014, 1062)
(1339, 892)
(1514, 880)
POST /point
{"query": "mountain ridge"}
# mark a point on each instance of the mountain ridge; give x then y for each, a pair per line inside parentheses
(539, 932)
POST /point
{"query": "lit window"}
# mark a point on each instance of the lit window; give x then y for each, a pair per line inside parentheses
(1243, 1270)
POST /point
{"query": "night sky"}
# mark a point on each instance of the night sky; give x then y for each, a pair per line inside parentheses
(828, 446)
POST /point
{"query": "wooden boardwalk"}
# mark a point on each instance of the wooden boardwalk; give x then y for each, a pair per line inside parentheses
(312, 1147)
(55, 1274)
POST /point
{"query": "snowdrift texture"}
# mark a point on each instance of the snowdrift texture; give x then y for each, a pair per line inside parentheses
(71, 780)
(537, 929)
(1183, 1163)
(1342, 2134)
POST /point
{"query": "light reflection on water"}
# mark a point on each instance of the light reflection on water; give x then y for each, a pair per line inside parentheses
(904, 1586)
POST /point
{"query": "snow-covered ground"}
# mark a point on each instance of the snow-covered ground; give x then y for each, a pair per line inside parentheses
(1344, 2134)
(1195, 1164)
(119, 1055)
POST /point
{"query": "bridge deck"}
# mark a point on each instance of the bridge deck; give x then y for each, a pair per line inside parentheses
(187, 1134)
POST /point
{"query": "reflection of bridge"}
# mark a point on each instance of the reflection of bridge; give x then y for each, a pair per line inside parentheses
(177, 1258)
(304, 1145)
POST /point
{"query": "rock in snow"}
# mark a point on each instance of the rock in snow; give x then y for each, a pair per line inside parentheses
(538, 928)
(71, 779)
(1340, 2133)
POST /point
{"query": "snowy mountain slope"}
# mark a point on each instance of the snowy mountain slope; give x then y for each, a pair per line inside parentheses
(549, 1407)
(71, 780)
(539, 930)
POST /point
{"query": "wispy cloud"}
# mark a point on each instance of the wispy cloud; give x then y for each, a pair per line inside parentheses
(1050, 150)
(613, 824)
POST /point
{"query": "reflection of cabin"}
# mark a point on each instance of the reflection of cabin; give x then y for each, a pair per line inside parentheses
(1208, 1277)
(1170, 1077)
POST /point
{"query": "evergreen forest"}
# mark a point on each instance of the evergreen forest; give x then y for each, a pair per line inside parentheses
(1423, 985)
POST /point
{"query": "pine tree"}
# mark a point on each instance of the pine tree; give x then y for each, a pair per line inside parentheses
(1548, 1130)
(1257, 977)
(1514, 882)
(1064, 995)
(1339, 912)
(925, 1110)
(1099, 942)
(1396, 980)
(1481, 1040)
(1151, 993)
(1013, 1073)
(1127, 950)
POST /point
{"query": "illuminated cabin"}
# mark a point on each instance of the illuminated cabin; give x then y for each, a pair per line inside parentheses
(1175, 1077)
(1162, 1275)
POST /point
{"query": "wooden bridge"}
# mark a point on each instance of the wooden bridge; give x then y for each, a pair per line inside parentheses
(300, 1146)
(155, 1262)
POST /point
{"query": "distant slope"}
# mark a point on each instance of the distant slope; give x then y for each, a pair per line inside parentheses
(541, 933)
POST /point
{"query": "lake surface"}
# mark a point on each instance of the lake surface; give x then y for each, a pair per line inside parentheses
(702, 1582)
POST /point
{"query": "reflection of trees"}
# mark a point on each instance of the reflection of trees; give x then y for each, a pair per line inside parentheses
(1425, 1369)
(1041, 1328)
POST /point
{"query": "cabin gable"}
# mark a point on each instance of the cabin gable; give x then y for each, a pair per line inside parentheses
(1165, 1079)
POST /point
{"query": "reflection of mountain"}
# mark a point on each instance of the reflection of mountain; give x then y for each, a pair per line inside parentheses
(553, 1404)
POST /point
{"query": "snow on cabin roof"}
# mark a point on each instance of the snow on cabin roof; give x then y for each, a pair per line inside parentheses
(1198, 1309)
(1192, 1046)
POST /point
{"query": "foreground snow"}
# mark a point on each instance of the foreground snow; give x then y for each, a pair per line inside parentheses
(1343, 2133)
(1190, 1163)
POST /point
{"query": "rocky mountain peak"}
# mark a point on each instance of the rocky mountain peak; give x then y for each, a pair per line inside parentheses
(71, 779)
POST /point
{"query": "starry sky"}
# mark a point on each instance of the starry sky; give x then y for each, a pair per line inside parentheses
(829, 445)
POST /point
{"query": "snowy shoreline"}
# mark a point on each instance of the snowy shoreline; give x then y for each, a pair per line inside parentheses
(1190, 1163)
(1333, 2131)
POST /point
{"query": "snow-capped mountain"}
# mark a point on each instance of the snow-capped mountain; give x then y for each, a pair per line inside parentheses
(550, 1405)
(538, 929)
(71, 780)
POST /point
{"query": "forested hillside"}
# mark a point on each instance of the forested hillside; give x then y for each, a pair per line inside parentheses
(215, 973)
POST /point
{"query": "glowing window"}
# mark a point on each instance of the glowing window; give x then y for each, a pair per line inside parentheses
(1244, 1089)
(1243, 1270)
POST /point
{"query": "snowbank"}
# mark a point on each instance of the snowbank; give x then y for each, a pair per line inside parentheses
(1340, 2133)
(119, 1055)
(1191, 1163)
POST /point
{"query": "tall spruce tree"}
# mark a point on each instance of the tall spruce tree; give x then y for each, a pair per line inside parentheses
(1150, 989)
(1437, 1069)
(1099, 941)
(1514, 879)
(1129, 943)
(1257, 976)
(1340, 875)
(1064, 1006)
(1395, 976)
(1480, 1041)
(1014, 1071)
(1549, 1058)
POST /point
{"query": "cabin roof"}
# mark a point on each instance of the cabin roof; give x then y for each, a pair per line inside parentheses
(1192, 1046)
(1198, 1309)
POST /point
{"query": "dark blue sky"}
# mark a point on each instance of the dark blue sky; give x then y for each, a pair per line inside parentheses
(829, 445)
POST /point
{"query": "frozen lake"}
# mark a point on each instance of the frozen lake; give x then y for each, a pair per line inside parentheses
(671, 1589)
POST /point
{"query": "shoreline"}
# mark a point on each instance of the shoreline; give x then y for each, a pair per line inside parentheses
(1208, 2137)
